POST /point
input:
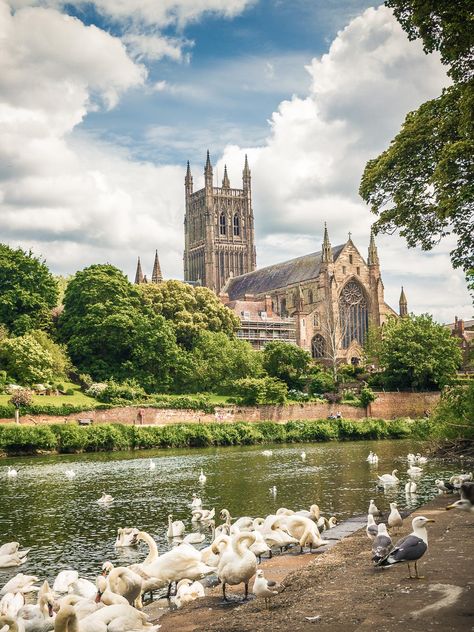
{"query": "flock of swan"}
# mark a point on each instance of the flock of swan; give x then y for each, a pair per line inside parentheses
(411, 548)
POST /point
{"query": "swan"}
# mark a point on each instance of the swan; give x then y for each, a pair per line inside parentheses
(124, 581)
(237, 563)
(274, 536)
(193, 538)
(119, 618)
(13, 626)
(410, 487)
(83, 588)
(411, 458)
(210, 555)
(126, 537)
(196, 502)
(70, 473)
(242, 524)
(152, 465)
(303, 455)
(187, 591)
(303, 529)
(373, 510)
(105, 499)
(267, 453)
(63, 580)
(283, 511)
(39, 618)
(372, 459)
(414, 470)
(389, 479)
(20, 583)
(313, 514)
(202, 477)
(10, 604)
(175, 529)
(12, 547)
(421, 460)
(395, 521)
(83, 607)
(273, 490)
(6, 561)
(332, 522)
(12, 472)
(202, 515)
(105, 595)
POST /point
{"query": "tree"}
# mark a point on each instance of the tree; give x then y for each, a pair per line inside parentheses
(61, 361)
(286, 362)
(26, 361)
(21, 398)
(110, 334)
(418, 353)
(191, 310)
(334, 326)
(28, 291)
(453, 417)
(423, 183)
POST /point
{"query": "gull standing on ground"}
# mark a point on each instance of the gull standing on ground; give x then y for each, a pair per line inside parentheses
(371, 528)
(265, 588)
(411, 548)
(382, 544)
(395, 521)
(373, 510)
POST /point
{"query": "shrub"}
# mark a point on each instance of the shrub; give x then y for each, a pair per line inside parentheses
(264, 390)
(128, 391)
(26, 360)
(320, 382)
(95, 389)
(366, 396)
(333, 398)
(69, 391)
(21, 398)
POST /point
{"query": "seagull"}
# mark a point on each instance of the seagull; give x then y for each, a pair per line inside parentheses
(394, 519)
(410, 487)
(382, 544)
(152, 465)
(105, 499)
(443, 487)
(265, 588)
(373, 509)
(371, 528)
(466, 502)
(12, 473)
(411, 548)
(202, 477)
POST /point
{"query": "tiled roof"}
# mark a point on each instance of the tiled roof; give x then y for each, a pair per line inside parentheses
(265, 280)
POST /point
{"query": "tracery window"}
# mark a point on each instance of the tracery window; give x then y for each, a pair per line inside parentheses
(236, 225)
(318, 346)
(222, 224)
(353, 313)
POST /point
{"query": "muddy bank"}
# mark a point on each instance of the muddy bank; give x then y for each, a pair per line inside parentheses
(341, 590)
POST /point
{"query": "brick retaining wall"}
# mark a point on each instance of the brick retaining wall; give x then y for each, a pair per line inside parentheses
(386, 406)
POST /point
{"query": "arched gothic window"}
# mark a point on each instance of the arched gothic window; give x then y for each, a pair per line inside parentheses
(318, 346)
(310, 296)
(354, 314)
(236, 225)
(222, 224)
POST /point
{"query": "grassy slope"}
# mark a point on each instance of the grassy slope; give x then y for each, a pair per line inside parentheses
(78, 399)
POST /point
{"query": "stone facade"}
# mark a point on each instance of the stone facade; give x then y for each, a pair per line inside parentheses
(218, 230)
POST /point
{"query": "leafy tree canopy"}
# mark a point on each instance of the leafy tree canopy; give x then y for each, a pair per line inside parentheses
(26, 361)
(28, 291)
(190, 309)
(286, 362)
(416, 352)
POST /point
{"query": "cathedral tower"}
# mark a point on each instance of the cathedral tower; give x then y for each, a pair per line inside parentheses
(218, 229)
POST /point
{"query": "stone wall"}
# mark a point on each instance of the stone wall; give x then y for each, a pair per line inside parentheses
(386, 406)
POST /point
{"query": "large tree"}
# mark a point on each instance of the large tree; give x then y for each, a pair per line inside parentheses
(109, 333)
(28, 291)
(423, 183)
(416, 352)
(191, 310)
(286, 362)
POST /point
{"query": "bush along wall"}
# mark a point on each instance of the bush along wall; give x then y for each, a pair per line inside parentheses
(70, 438)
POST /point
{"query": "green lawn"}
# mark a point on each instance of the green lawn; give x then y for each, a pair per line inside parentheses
(78, 399)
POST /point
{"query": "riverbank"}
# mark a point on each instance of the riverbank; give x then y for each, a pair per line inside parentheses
(70, 438)
(341, 590)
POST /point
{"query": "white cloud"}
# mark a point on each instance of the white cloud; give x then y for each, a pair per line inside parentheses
(154, 47)
(309, 169)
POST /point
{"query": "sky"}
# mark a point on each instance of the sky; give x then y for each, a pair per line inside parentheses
(102, 102)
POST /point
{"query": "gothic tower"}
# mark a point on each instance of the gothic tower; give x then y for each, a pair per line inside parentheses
(218, 229)
(403, 304)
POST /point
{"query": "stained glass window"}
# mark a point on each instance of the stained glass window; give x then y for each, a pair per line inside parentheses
(354, 315)
(318, 346)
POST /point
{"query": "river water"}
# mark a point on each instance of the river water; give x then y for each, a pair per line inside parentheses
(65, 527)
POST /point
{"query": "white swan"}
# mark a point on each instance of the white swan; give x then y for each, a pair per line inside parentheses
(194, 538)
(245, 523)
(126, 537)
(389, 479)
(202, 515)
(267, 452)
(372, 459)
(152, 465)
(20, 583)
(410, 487)
(303, 529)
(124, 581)
(175, 529)
(12, 472)
(187, 591)
(303, 455)
(414, 470)
(83, 607)
(313, 514)
(119, 618)
(39, 618)
(421, 460)
(274, 536)
(105, 499)
(83, 588)
(63, 580)
(237, 564)
(202, 477)
(273, 490)
(13, 625)
(196, 502)
(10, 604)
(9, 548)
(70, 473)
(105, 595)
(6, 561)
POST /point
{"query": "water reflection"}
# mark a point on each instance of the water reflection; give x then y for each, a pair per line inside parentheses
(59, 517)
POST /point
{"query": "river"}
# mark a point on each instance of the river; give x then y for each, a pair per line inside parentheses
(66, 528)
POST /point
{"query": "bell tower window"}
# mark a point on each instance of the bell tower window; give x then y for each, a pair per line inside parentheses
(236, 225)
(222, 224)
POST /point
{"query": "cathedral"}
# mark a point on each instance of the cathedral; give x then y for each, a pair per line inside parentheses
(323, 301)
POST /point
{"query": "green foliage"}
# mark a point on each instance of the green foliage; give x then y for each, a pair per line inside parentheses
(320, 381)
(443, 26)
(453, 417)
(61, 363)
(366, 396)
(21, 398)
(187, 402)
(26, 361)
(286, 362)
(109, 335)
(128, 391)
(191, 310)
(15, 439)
(28, 291)
(69, 392)
(265, 390)
(418, 353)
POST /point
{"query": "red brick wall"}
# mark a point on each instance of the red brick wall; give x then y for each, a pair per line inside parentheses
(393, 405)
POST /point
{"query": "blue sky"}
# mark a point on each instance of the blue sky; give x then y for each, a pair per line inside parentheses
(103, 101)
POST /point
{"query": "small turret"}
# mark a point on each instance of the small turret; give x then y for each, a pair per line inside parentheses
(246, 176)
(373, 257)
(326, 256)
(139, 273)
(188, 181)
(156, 276)
(403, 304)
(225, 179)
(208, 172)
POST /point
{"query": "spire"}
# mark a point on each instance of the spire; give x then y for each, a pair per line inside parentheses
(326, 256)
(246, 177)
(373, 258)
(208, 172)
(188, 180)
(139, 273)
(403, 304)
(225, 179)
(156, 276)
